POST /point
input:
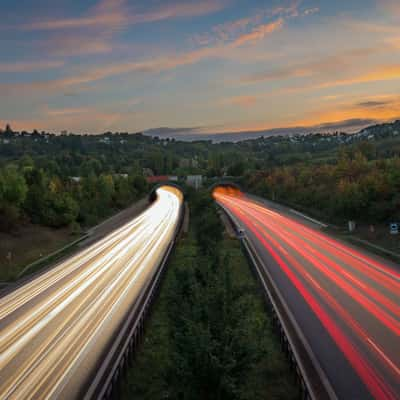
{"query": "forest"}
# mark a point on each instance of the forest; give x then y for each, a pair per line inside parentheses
(353, 188)
(69, 179)
(41, 194)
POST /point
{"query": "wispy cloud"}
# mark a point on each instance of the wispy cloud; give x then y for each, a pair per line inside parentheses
(382, 73)
(94, 32)
(258, 33)
(118, 14)
(252, 28)
(383, 108)
(80, 44)
(56, 112)
(372, 104)
(311, 11)
(390, 6)
(30, 66)
(154, 65)
(107, 13)
(324, 66)
(371, 27)
(241, 100)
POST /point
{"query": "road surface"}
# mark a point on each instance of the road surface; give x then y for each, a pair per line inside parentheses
(346, 302)
(55, 330)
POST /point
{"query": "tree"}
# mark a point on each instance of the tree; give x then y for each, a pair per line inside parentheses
(62, 210)
(8, 130)
(13, 190)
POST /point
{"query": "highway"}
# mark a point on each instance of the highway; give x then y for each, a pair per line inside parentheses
(345, 301)
(56, 329)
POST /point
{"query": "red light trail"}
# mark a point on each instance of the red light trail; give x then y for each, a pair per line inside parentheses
(354, 297)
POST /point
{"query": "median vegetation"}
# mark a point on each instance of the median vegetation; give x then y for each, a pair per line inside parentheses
(209, 336)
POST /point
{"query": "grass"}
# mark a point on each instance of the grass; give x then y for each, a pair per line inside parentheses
(29, 244)
(372, 241)
(149, 378)
(33, 245)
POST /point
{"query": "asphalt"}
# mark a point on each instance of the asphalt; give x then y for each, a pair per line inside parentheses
(346, 302)
(55, 329)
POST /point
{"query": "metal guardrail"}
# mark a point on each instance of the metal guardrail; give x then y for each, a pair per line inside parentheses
(50, 256)
(313, 382)
(105, 384)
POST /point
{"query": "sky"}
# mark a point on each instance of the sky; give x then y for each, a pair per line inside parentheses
(90, 66)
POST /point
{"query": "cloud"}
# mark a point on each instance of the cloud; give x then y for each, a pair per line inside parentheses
(382, 73)
(391, 7)
(80, 44)
(30, 66)
(258, 33)
(207, 133)
(118, 14)
(251, 28)
(113, 14)
(388, 109)
(245, 31)
(154, 65)
(347, 125)
(323, 66)
(394, 41)
(93, 33)
(107, 13)
(346, 115)
(371, 27)
(71, 119)
(56, 112)
(310, 11)
(243, 100)
(372, 104)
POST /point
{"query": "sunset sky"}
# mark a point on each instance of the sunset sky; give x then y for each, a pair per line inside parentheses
(208, 66)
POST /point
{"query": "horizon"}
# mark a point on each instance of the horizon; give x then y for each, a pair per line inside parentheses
(190, 135)
(212, 67)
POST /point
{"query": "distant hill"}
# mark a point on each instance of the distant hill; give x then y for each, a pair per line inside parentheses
(353, 126)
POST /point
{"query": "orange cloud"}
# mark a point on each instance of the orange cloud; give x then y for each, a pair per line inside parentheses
(349, 116)
(52, 112)
(395, 42)
(251, 29)
(324, 67)
(384, 73)
(258, 33)
(371, 27)
(381, 108)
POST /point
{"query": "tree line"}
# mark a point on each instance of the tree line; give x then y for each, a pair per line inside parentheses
(30, 191)
(353, 188)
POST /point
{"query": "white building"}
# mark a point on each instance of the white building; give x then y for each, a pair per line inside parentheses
(194, 180)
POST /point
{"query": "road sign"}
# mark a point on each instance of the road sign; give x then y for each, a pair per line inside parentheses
(394, 228)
